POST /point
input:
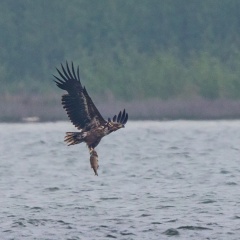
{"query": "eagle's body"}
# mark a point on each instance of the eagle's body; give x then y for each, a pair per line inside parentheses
(83, 113)
(92, 137)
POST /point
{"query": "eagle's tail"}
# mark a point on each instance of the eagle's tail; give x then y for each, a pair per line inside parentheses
(72, 138)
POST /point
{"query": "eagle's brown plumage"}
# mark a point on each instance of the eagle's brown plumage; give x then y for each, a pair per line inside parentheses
(83, 113)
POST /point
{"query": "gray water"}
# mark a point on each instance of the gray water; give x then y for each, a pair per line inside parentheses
(157, 180)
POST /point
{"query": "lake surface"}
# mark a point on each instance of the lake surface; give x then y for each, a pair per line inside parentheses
(157, 180)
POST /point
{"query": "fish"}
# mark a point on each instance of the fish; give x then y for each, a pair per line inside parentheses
(94, 161)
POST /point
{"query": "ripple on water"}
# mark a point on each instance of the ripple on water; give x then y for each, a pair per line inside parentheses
(171, 232)
(194, 228)
(52, 189)
(208, 201)
(156, 179)
(231, 183)
(127, 233)
(110, 236)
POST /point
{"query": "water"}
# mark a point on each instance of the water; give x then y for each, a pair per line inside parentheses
(157, 180)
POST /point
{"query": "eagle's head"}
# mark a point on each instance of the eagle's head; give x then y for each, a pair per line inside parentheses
(117, 122)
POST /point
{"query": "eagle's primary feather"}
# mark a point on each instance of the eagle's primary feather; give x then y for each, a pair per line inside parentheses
(83, 113)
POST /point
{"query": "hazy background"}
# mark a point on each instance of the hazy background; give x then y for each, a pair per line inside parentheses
(159, 59)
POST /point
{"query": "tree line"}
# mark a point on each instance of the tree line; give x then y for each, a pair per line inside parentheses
(126, 49)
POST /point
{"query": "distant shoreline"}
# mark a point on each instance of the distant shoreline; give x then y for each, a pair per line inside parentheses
(20, 108)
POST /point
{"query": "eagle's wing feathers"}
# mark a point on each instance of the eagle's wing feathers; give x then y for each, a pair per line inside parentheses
(76, 110)
(78, 104)
(121, 118)
(93, 111)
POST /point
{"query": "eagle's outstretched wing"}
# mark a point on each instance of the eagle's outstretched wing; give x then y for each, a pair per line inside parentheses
(78, 104)
(121, 118)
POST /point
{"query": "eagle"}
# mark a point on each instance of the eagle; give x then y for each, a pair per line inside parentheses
(83, 113)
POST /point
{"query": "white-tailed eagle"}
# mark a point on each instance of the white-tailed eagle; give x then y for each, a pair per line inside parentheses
(84, 115)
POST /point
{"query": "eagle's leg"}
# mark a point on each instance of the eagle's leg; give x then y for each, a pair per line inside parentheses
(90, 149)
